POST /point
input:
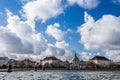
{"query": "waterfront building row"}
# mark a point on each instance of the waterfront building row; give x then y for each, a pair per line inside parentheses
(94, 63)
(52, 62)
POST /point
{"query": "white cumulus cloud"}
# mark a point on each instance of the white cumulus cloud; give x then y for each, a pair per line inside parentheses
(54, 31)
(10, 42)
(86, 4)
(102, 34)
(86, 56)
(66, 47)
(42, 9)
(20, 37)
(22, 56)
(60, 49)
(19, 40)
(113, 55)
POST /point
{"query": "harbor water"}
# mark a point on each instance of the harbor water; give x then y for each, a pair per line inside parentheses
(60, 75)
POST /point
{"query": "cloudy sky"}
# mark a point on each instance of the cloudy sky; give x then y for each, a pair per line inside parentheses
(37, 28)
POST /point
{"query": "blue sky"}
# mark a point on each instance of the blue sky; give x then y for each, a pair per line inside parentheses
(59, 25)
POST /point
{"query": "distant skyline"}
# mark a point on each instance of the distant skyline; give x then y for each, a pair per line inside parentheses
(38, 28)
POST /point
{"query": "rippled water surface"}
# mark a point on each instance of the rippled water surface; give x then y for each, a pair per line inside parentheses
(61, 75)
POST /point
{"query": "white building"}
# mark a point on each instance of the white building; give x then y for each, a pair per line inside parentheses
(4, 60)
(101, 60)
(52, 62)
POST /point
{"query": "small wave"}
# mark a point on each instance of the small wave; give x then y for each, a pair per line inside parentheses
(58, 75)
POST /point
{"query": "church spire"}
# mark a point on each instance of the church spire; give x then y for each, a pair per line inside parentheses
(75, 58)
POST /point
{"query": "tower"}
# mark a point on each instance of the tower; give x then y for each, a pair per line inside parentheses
(75, 59)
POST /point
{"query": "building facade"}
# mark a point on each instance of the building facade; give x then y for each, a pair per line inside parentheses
(26, 63)
(52, 62)
(101, 60)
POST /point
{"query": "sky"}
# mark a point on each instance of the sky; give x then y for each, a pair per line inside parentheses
(35, 29)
